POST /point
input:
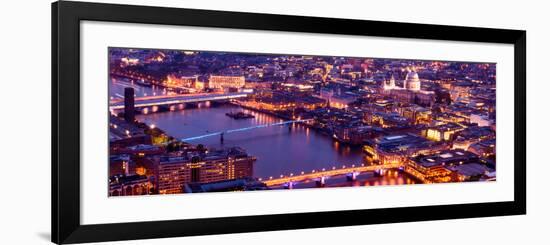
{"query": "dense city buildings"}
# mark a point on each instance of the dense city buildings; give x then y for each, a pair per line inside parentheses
(213, 166)
(449, 166)
(195, 122)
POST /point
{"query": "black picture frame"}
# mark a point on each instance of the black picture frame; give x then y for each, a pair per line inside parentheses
(66, 18)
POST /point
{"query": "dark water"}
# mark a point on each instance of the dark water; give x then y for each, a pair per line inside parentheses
(391, 177)
(280, 149)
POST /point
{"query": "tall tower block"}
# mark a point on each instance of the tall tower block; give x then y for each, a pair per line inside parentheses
(129, 113)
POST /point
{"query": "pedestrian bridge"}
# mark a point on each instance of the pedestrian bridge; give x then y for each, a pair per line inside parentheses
(353, 171)
(221, 133)
(148, 101)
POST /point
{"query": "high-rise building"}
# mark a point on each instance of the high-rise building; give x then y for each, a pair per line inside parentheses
(129, 113)
(229, 164)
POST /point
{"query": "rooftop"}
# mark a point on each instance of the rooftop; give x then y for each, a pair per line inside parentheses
(120, 179)
(396, 143)
(446, 157)
(212, 154)
(471, 169)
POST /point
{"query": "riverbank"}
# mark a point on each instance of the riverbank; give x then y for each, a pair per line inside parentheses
(284, 117)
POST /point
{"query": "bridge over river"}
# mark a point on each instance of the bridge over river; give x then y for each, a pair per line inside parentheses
(167, 100)
(222, 133)
(320, 176)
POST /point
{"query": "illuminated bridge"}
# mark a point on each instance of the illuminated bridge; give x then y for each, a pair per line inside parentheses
(176, 99)
(221, 133)
(320, 176)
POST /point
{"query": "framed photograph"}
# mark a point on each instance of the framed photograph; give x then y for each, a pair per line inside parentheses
(176, 122)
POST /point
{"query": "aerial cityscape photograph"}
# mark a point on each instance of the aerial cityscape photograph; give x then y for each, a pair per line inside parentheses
(192, 121)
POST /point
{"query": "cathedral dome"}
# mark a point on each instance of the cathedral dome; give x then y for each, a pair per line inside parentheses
(411, 76)
(412, 82)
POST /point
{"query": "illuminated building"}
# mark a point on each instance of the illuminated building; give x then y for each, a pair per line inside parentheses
(336, 99)
(412, 82)
(173, 172)
(485, 148)
(471, 135)
(283, 102)
(173, 81)
(341, 101)
(309, 102)
(411, 92)
(123, 134)
(272, 105)
(417, 114)
(389, 85)
(388, 120)
(383, 105)
(222, 82)
(127, 61)
(199, 85)
(460, 89)
(481, 120)
(473, 172)
(448, 117)
(297, 86)
(129, 155)
(443, 166)
(120, 165)
(443, 132)
(129, 185)
(155, 57)
(258, 85)
(354, 135)
(446, 83)
(398, 148)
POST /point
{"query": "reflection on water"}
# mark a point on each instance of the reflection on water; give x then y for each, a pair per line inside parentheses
(390, 177)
